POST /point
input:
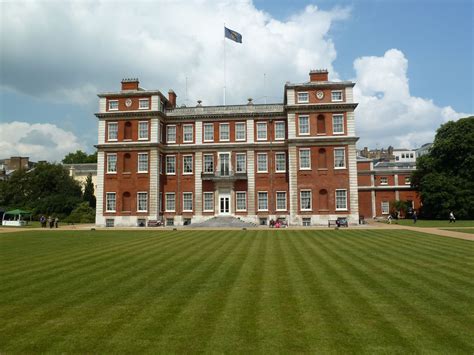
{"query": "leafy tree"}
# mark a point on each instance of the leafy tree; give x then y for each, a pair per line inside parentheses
(444, 178)
(79, 157)
(399, 206)
(83, 213)
(88, 195)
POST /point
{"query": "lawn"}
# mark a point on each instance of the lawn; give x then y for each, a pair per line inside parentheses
(463, 230)
(357, 291)
(434, 223)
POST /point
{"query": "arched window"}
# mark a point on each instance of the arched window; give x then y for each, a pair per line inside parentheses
(323, 199)
(127, 134)
(127, 163)
(321, 124)
(126, 202)
(322, 161)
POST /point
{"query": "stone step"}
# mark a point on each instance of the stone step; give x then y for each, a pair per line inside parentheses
(223, 222)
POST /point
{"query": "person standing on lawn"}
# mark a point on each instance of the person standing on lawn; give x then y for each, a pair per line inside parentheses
(452, 219)
(56, 222)
(415, 217)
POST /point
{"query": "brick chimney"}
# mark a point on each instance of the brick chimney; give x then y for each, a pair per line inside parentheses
(318, 75)
(130, 84)
(172, 98)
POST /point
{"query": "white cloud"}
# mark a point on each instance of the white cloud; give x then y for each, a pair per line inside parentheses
(39, 141)
(387, 113)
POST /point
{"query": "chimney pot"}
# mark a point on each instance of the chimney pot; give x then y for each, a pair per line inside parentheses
(130, 84)
(318, 75)
(172, 98)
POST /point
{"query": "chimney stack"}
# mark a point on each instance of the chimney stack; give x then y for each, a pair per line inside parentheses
(130, 84)
(172, 98)
(319, 75)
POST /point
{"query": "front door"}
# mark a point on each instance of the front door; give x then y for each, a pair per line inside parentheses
(224, 204)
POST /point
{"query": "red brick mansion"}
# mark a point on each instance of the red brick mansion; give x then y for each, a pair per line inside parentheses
(294, 160)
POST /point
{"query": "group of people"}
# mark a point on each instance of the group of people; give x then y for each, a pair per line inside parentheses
(452, 219)
(279, 223)
(50, 221)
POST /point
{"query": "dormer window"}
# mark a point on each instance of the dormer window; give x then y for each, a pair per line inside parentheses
(143, 104)
(113, 105)
(303, 97)
(336, 95)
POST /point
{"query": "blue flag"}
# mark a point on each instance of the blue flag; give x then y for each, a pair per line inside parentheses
(232, 35)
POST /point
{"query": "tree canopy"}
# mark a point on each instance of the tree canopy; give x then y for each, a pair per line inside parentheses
(79, 157)
(444, 178)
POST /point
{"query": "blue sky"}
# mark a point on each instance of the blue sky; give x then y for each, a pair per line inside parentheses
(412, 61)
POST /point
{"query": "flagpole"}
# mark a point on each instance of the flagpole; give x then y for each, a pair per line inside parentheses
(224, 66)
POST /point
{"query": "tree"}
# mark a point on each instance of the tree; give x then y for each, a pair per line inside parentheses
(399, 206)
(88, 195)
(83, 213)
(79, 157)
(444, 178)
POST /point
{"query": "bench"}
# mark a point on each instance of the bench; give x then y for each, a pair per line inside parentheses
(339, 222)
(154, 223)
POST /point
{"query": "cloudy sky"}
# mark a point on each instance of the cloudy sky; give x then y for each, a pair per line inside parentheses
(412, 61)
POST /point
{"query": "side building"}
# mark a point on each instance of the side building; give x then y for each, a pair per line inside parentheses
(295, 160)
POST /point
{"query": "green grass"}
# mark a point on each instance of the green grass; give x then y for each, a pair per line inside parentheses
(355, 291)
(463, 230)
(434, 223)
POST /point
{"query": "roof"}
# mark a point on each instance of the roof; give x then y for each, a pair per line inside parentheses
(226, 110)
(396, 165)
(321, 84)
(20, 212)
(86, 167)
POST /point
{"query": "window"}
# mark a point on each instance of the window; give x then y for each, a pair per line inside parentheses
(169, 222)
(208, 201)
(303, 125)
(143, 130)
(111, 163)
(240, 131)
(385, 207)
(262, 163)
(241, 201)
(305, 200)
(224, 134)
(411, 155)
(110, 202)
(306, 222)
(187, 164)
(170, 204)
(170, 165)
(208, 163)
(171, 134)
(407, 180)
(143, 104)
(261, 131)
(113, 105)
(240, 162)
(208, 132)
(383, 180)
(280, 130)
(161, 164)
(187, 201)
(112, 131)
(142, 162)
(160, 202)
(280, 162)
(303, 97)
(188, 133)
(281, 201)
(109, 222)
(338, 124)
(336, 95)
(263, 221)
(162, 132)
(142, 201)
(305, 159)
(341, 200)
(263, 201)
(339, 158)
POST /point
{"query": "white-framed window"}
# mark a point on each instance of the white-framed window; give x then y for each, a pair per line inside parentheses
(385, 207)
(208, 201)
(338, 124)
(110, 202)
(142, 201)
(262, 163)
(161, 164)
(188, 133)
(305, 200)
(280, 162)
(341, 200)
(113, 105)
(143, 104)
(339, 158)
(305, 159)
(281, 201)
(171, 134)
(261, 131)
(160, 202)
(111, 163)
(407, 180)
(280, 130)
(142, 163)
(112, 131)
(224, 132)
(306, 221)
(208, 163)
(187, 201)
(208, 132)
(170, 203)
(241, 201)
(187, 164)
(336, 95)
(143, 130)
(303, 125)
(263, 201)
(241, 162)
(240, 131)
(303, 97)
(383, 180)
(170, 164)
